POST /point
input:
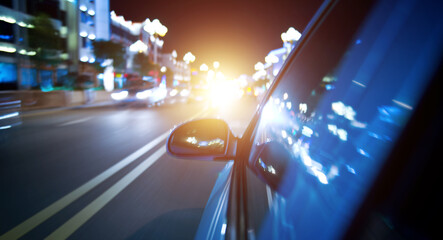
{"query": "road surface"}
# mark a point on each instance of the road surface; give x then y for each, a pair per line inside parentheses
(102, 173)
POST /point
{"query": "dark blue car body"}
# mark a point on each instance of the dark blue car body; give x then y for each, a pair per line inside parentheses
(346, 142)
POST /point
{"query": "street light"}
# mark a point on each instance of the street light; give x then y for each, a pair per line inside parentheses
(271, 59)
(259, 66)
(216, 65)
(290, 36)
(189, 58)
(204, 68)
(156, 30)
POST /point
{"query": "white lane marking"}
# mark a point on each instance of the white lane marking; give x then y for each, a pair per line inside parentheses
(63, 202)
(86, 213)
(74, 122)
(49, 211)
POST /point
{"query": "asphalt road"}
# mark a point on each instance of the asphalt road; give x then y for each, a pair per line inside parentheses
(102, 173)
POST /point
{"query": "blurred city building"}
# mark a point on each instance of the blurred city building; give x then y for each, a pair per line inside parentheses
(22, 64)
(93, 24)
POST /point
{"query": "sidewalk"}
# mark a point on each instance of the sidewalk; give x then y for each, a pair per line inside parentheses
(30, 102)
(31, 112)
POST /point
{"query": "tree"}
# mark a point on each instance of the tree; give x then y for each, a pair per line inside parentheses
(45, 39)
(143, 65)
(109, 50)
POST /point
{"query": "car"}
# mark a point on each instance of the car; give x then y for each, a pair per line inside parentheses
(178, 94)
(140, 92)
(345, 144)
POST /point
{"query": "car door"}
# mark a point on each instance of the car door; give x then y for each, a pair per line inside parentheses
(334, 114)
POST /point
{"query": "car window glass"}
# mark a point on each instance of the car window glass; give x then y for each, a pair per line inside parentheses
(339, 108)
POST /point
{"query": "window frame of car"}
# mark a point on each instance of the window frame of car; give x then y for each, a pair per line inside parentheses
(237, 220)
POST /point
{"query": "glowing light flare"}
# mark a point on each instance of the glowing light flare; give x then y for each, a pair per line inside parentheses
(204, 68)
(342, 134)
(285, 96)
(8, 49)
(138, 46)
(342, 110)
(271, 169)
(223, 92)
(223, 229)
(307, 160)
(284, 134)
(259, 66)
(108, 77)
(191, 140)
(275, 72)
(10, 115)
(307, 131)
(402, 104)
(5, 127)
(119, 95)
(269, 113)
(144, 94)
(288, 105)
(8, 19)
(303, 107)
(189, 57)
(290, 35)
(271, 59)
(173, 92)
(320, 175)
(289, 140)
(184, 93)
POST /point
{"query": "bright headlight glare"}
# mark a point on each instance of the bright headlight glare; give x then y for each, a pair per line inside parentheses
(120, 95)
(173, 92)
(184, 93)
(144, 94)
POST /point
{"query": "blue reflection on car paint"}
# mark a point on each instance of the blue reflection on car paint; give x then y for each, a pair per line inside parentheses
(342, 141)
(213, 222)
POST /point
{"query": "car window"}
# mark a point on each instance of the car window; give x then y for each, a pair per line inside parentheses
(338, 109)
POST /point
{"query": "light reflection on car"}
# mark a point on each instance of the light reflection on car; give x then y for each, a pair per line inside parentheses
(346, 142)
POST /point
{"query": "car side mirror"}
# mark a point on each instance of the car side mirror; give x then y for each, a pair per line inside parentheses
(271, 163)
(203, 139)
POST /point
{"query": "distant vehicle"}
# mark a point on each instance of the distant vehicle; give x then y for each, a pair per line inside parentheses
(179, 94)
(140, 92)
(346, 142)
(199, 93)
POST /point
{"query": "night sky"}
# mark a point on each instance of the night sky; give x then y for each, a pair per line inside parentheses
(237, 33)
